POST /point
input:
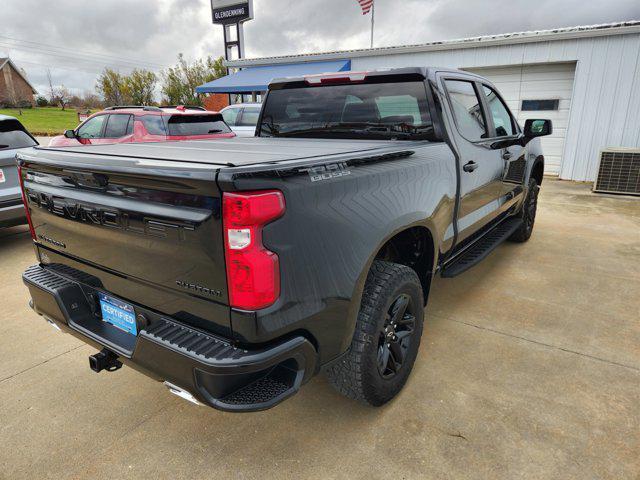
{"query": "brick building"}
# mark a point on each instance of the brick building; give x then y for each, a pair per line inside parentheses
(15, 89)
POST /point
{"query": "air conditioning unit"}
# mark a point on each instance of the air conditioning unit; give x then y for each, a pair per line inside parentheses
(619, 171)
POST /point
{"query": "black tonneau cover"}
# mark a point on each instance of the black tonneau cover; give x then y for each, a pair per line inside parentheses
(231, 152)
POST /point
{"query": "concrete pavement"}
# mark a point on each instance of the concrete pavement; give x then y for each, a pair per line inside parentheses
(529, 368)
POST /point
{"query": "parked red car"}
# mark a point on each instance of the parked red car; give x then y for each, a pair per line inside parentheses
(129, 124)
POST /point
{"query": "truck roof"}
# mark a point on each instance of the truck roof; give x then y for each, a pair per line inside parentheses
(405, 72)
(237, 151)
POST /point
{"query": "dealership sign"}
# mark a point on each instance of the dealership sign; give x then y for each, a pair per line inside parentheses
(231, 11)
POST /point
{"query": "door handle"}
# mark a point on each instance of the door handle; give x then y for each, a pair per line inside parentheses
(506, 155)
(470, 167)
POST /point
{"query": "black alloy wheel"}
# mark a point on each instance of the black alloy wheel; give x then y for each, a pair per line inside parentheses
(395, 338)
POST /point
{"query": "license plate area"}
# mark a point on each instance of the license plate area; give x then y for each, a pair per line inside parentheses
(117, 313)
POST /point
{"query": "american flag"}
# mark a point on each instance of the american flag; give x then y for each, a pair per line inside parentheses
(366, 5)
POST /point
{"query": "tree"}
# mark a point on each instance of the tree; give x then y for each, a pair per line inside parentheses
(51, 92)
(62, 96)
(42, 101)
(179, 83)
(140, 86)
(111, 86)
(91, 100)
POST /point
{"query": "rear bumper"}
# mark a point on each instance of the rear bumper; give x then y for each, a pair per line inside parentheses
(12, 213)
(211, 368)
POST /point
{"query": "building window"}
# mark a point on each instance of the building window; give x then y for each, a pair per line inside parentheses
(528, 105)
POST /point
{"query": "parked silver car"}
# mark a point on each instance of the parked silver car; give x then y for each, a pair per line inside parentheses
(13, 136)
(242, 118)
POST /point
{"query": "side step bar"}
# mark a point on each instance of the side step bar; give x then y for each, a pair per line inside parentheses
(481, 248)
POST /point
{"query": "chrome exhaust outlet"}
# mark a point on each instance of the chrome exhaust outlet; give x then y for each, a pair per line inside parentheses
(53, 324)
(182, 393)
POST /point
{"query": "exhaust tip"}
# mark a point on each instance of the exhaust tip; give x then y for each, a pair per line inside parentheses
(182, 393)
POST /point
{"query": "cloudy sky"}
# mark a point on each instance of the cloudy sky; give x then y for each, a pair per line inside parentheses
(76, 39)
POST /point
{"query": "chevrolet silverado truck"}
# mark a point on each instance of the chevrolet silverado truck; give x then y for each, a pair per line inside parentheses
(235, 270)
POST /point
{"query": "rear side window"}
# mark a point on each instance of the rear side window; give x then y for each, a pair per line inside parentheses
(230, 115)
(502, 120)
(179, 125)
(13, 135)
(153, 124)
(467, 109)
(119, 126)
(92, 128)
(249, 117)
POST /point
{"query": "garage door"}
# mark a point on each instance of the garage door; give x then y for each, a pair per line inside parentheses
(545, 92)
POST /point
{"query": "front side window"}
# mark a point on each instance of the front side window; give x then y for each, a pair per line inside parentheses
(502, 120)
(13, 135)
(230, 115)
(467, 109)
(381, 110)
(92, 128)
(119, 126)
(249, 117)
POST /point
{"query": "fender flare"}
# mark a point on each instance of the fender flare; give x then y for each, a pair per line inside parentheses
(356, 297)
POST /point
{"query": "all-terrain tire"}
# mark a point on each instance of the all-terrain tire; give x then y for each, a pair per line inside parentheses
(360, 374)
(527, 213)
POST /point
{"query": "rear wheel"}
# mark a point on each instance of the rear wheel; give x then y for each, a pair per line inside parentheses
(528, 213)
(387, 336)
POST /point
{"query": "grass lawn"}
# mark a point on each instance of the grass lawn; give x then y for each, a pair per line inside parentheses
(45, 121)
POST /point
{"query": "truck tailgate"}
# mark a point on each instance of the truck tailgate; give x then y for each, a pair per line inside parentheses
(154, 226)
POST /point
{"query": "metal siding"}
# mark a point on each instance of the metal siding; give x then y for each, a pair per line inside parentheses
(534, 82)
(605, 104)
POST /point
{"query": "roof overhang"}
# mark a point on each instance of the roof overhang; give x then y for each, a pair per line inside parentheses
(257, 79)
(619, 28)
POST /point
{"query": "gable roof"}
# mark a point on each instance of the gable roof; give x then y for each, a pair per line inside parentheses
(6, 60)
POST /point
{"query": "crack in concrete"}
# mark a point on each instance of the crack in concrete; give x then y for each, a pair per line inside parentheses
(548, 345)
(39, 364)
(457, 435)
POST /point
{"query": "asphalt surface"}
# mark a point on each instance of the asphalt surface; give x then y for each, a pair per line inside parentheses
(529, 368)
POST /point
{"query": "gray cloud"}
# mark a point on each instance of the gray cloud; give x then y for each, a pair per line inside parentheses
(151, 34)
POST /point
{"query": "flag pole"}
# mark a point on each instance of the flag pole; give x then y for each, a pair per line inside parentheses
(373, 13)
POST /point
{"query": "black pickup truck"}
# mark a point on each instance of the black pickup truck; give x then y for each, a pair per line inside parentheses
(235, 270)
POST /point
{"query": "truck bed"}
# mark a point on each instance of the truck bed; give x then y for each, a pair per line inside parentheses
(230, 152)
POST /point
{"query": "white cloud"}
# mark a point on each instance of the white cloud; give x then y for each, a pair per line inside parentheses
(124, 33)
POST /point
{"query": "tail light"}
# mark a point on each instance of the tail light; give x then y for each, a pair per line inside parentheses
(253, 272)
(26, 204)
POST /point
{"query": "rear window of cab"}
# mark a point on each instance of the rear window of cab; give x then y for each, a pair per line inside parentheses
(184, 125)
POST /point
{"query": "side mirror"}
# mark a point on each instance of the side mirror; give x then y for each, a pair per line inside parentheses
(70, 133)
(537, 128)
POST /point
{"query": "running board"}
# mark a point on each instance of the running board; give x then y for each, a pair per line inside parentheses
(481, 248)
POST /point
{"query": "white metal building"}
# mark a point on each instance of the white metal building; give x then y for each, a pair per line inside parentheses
(586, 79)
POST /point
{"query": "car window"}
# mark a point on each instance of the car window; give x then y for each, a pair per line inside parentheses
(375, 110)
(196, 125)
(404, 108)
(249, 117)
(13, 135)
(118, 126)
(502, 120)
(92, 128)
(230, 115)
(467, 109)
(153, 124)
